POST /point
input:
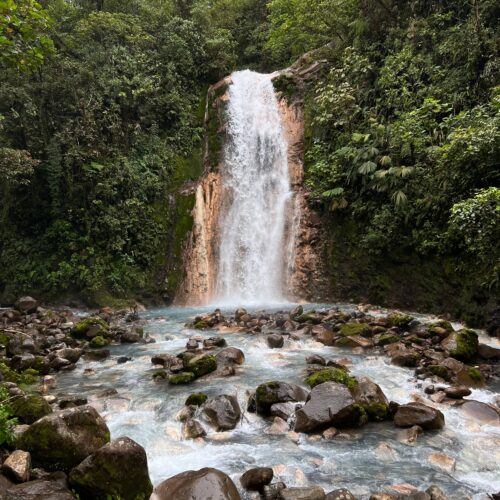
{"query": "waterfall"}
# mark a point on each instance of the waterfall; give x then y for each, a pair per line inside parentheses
(257, 198)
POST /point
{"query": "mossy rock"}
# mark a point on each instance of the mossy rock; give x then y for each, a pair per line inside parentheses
(203, 364)
(99, 341)
(181, 378)
(440, 371)
(4, 339)
(8, 375)
(445, 325)
(82, 327)
(308, 318)
(475, 375)
(399, 319)
(353, 328)
(30, 376)
(331, 375)
(387, 339)
(462, 345)
(359, 416)
(201, 325)
(29, 409)
(196, 399)
(159, 374)
(377, 412)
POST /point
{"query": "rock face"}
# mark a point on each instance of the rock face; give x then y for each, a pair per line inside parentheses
(119, 469)
(223, 412)
(18, 466)
(197, 485)
(271, 393)
(419, 414)
(330, 404)
(62, 440)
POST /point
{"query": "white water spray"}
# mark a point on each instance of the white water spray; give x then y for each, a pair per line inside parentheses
(257, 196)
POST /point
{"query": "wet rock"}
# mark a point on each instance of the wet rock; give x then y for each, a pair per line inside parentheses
(130, 337)
(481, 411)
(186, 413)
(62, 440)
(488, 352)
(340, 494)
(304, 493)
(227, 371)
(419, 414)
(165, 360)
(274, 392)
(316, 359)
(202, 364)
(275, 340)
(123, 359)
(205, 483)
(278, 427)
(325, 337)
(192, 345)
(72, 401)
(214, 342)
(330, 433)
(223, 412)
(256, 479)
(283, 410)
(26, 305)
(72, 355)
(39, 490)
(17, 466)
(457, 392)
(118, 470)
(405, 357)
(58, 363)
(296, 311)
(29, 409)
(369, 394)
(462, 345)
(192, 429)
(436, 493)
(196, 399)
(230, 356)
(329, 404)
(96, 354)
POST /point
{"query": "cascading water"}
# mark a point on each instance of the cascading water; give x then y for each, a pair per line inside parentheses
(257, 196)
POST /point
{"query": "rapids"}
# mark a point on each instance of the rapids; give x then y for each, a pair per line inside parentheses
(364, 460)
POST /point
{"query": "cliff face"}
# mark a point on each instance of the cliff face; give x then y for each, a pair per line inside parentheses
(305, 277)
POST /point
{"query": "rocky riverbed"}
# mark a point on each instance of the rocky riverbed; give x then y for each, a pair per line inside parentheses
(302, 403)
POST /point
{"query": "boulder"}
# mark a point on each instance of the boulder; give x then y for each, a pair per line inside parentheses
(192, 429)
(274, 392)
(62, 440)
(457, 392)
(283, 410)
(230, 356)
(117, 470)
(488, 352)
(26, 305)
(316, 359)
(166, 360)
(202, 364)
(39, 490)
(275, 340)
(436, 493)
(256, 479)
(481, 411)
(214, 342)
(371, 397)
(29, 409)
(329, 404)
(462, 345)
(418, 414)
(405, 357)
(223, 412)
(17, 466)
(72, 355)
(197, 485)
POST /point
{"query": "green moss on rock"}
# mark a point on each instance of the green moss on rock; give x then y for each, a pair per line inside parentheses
(308, 318)
(387, 339)
(201, 365)
(29, 409)
(466, 345)
(200, 325)
(399, 319)
(439, 371)
(475, 374)
(196, 399)
(353, 328)
(181, 378)
(377, 412)
(331, 375)
(99, 341)
(82, 327)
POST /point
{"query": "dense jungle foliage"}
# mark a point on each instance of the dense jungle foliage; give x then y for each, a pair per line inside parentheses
(100, 116)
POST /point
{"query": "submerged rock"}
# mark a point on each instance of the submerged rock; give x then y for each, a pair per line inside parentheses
(202, 484)
(118, 470)
(62, 440)
(303, 493)
(192, 429)
(223, 412)
(419, 414)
